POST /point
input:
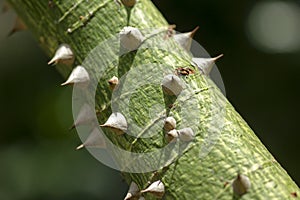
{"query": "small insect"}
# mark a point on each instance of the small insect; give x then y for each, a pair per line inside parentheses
(184, 71)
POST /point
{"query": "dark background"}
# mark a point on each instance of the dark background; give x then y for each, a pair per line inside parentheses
(37, 152)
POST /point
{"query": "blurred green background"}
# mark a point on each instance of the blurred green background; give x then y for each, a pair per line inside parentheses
(261, 43)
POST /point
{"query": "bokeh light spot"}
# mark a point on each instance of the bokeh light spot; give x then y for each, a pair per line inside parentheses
(274, 26)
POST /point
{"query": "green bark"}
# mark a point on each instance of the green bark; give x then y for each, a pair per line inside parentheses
(84, 25)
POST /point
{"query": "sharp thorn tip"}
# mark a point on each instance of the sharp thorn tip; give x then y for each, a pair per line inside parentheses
(79, 147)
(193, 32)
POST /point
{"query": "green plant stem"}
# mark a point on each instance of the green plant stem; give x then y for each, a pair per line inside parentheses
(84, 25)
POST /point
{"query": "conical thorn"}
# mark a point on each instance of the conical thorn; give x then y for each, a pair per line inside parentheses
(193, 32)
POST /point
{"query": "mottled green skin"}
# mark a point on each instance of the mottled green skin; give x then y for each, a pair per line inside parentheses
(237, 150)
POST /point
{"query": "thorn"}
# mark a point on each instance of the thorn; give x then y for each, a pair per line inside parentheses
(186, 134)
(79, 147)
(63, 54)
(18, 26)
(205, 65)
(65, 83)
(157, 189)
(79, 75)
(241, 185)
(131, 38)
(218, 57)
(185, 39)
(132, 192)
(113, 82)
(117, 123)
(172, 136)
(193, 32)
(169, 124)
(172, 85)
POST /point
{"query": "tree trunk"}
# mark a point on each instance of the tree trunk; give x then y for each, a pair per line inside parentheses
(209, 164)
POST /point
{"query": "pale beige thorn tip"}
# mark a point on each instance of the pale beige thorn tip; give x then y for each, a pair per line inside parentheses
(79, 147)
(218, 57)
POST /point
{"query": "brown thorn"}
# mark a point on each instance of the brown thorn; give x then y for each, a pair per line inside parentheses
(193, 32)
